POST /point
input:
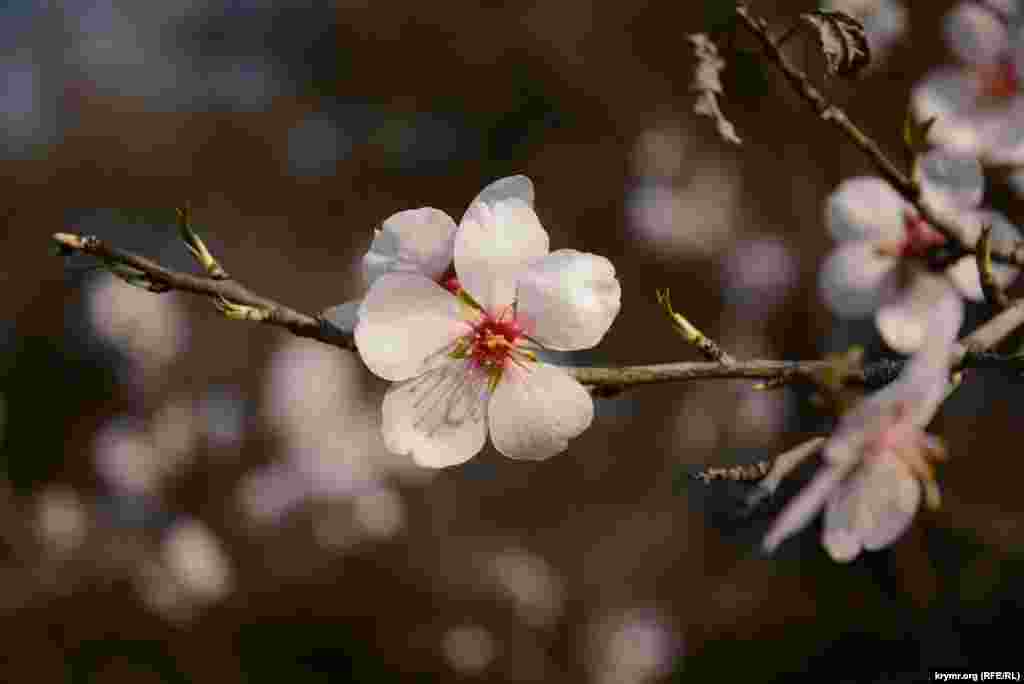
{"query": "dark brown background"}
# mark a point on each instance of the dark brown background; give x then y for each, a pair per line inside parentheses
(560, 91)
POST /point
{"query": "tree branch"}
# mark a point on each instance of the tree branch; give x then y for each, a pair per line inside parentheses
(601, 381)
(228, 290)
(1002, 250)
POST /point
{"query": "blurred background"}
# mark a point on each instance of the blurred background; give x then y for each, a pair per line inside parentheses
(189, 499)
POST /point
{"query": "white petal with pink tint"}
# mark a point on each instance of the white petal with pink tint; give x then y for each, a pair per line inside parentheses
(494, 244)
(569, 299)
(406, 320)
(807, 504)
(905, 316)
(949, 183)
(853, 276)
(440, 417)
(950, 96)
(509, 188)
(865, 208)
(975, 34)
(1001, 134)
(411, 241)
(893, 495)
(536, 410)
(870, 509)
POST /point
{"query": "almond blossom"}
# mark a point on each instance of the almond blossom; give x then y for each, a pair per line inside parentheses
(461, 354)
(879, 460)
(419, 241)
(884, 244)
(980, 105)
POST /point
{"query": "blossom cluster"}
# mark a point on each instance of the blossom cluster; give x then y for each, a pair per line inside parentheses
(455, 313)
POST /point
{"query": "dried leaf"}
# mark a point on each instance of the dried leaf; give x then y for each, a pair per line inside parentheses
(843, 41)
(707, 83)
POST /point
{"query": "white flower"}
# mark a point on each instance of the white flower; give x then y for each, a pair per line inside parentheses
(872, 270)
(879, 458)
(980, 105)
(419, 241)
(460, 360)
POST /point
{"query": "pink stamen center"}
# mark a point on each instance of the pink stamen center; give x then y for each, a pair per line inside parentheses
(451, 284)
(920, 236)
(493, 341)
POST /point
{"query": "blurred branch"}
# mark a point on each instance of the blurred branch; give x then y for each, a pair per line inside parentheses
(1001, 250)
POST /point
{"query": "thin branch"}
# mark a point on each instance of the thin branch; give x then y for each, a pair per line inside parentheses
(300, 324)
(1002, 250)
(991, 288)
(240, 303)
(987, 336)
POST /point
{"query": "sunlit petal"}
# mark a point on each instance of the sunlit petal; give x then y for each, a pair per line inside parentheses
(405, 320)
(508, 188)
(412, 241)
(536, 410)
(494, 244)
(569, 299)
(438, 418)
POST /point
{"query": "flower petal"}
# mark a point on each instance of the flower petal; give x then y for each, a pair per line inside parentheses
(909, 314)
(569, 299)
(439, 417)
(951, 97)
(872, 508)
(405, 322)
(839, 535)
(1000, 135)
(494, 243)
(805, 505)
(892, 495)
(975, 34)
(510, 187)
(536, 410)
(413, 241)
(949, 183)
(865, 208)
(853, 277)
(964, 273)
(344, 316)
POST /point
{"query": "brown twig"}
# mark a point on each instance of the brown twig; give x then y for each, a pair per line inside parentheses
(602, 381)
(231, 291)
